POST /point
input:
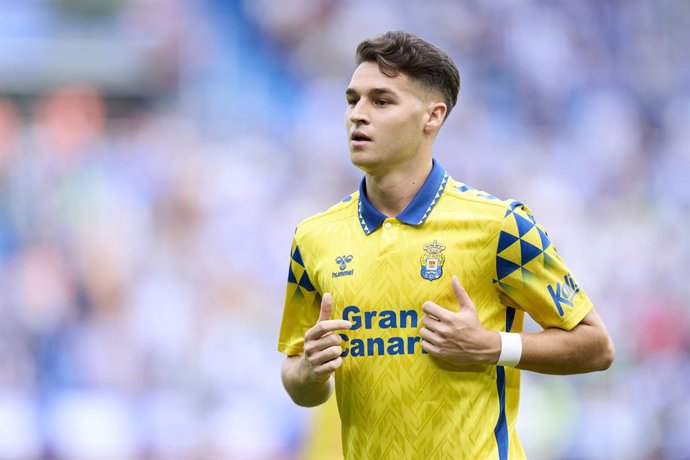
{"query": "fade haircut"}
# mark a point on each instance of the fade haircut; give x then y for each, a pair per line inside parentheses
(398, 52)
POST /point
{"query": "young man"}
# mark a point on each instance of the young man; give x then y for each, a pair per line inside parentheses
(412, 291)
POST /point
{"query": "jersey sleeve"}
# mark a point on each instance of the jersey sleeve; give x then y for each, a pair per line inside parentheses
(302, 305)
(531, 276)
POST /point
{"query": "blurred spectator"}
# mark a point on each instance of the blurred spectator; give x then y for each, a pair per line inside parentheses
(156, 155)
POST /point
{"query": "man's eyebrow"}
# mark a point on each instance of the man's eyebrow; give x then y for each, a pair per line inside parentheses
(372, 91)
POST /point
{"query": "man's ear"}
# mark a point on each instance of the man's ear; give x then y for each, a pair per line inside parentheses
(436, 113)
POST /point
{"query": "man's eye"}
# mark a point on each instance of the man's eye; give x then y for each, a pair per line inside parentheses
(382, 102)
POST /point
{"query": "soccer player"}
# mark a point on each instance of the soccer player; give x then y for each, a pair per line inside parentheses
(410, 294)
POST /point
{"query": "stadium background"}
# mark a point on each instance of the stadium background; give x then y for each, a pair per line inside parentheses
(155, 156)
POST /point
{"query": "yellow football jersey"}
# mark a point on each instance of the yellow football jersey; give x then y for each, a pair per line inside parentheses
(396, 401)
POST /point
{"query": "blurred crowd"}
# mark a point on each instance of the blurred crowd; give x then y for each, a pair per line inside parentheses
(156, 155)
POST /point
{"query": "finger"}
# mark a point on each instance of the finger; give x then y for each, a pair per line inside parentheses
(324, 356)
(431, 323)
(326, 307)
(461, 294)
(428, 335)
(324, 327)
(329, 367)
(430, 347)
(321, 343)
(440, 313)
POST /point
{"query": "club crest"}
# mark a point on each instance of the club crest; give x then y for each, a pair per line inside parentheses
(432, 261)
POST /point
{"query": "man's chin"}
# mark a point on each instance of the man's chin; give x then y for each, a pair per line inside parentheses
(364, 161)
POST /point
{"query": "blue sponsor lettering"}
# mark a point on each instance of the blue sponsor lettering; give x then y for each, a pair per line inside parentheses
(386, 318)
(564, 294)
(378, 346)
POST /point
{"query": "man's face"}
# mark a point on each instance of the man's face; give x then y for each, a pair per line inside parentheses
(384, 119)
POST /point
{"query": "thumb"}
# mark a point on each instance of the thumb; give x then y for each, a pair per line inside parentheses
(461, 294)
(326, 307)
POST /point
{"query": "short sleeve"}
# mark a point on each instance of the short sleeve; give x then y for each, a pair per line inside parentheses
(531, 276)
(302, 305)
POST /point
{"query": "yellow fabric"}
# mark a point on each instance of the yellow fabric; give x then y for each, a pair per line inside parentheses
(323, 438)
(395, 401)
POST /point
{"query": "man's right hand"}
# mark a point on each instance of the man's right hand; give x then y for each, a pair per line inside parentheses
(322, 348)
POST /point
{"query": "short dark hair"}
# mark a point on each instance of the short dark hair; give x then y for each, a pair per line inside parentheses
(402, 52)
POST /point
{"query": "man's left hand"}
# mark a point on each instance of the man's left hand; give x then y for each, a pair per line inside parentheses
(458, 337)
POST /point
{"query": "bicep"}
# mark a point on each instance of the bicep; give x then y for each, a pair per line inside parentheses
(593, 324)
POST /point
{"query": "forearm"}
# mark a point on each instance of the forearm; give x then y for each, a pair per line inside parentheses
(585, 348)
(460, 339)
(303, 390)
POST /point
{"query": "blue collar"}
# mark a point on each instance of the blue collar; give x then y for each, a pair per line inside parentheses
(416, 212)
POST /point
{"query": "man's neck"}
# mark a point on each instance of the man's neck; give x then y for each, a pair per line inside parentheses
(392, 192)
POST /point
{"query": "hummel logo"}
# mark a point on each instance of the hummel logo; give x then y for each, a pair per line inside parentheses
(564, 293)
(342, 262)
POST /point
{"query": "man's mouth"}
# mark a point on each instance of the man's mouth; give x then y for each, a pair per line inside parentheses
(359, 136)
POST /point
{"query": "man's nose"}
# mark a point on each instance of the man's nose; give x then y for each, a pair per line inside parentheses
(358, 113)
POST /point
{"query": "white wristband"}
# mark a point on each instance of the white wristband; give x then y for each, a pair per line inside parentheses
(511, 349)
